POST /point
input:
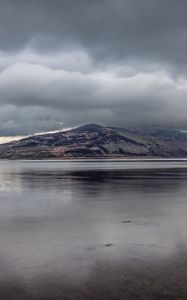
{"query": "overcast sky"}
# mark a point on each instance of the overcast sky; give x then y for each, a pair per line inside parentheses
(114, 62)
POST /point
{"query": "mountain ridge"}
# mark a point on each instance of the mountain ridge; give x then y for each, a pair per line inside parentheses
(99, 141)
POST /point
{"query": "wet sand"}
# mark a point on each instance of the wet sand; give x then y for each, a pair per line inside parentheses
(164, 279)
(93, 231)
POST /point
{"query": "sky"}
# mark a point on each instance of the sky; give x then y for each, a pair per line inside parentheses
(64, 63)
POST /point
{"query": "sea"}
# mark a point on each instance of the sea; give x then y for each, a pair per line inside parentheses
(93, 230)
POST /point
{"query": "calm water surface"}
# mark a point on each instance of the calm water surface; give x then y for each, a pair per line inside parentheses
(93, 230)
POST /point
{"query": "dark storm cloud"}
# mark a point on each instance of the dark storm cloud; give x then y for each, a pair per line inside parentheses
(66, 62)
(108, 29)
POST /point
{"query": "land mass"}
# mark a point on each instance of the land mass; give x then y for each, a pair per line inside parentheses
(96, 141)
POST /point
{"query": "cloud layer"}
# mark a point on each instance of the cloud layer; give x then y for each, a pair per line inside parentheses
(64, 63)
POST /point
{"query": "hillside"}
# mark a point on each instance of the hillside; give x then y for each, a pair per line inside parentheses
(96, 141)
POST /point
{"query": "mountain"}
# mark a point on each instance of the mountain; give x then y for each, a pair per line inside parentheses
(96, 141)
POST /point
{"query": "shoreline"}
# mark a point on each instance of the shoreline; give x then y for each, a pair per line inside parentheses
(100, 159)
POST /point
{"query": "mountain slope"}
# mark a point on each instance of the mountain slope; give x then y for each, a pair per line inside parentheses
(96, 141)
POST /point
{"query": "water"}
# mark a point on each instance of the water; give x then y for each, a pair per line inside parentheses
(93, 230)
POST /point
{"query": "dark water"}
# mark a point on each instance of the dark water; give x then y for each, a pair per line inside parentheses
(93, 230)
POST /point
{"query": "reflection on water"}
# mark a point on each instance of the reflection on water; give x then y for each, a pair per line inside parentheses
(93, 230)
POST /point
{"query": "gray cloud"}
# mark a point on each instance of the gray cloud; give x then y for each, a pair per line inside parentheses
(117, 62)
(36, 98)
(107, 29)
